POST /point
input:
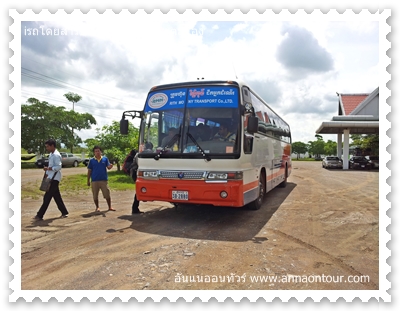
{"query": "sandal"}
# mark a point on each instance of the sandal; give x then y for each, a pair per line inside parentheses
(111, 209)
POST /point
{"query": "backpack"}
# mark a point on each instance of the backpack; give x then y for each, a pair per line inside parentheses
(129, 163)
(133, 169)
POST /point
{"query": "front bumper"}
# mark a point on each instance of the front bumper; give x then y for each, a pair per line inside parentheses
(199, 191)
(334, 165)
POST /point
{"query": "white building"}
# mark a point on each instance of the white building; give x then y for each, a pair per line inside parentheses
(357, 114)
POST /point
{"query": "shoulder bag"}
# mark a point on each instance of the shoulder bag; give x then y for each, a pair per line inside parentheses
(46, 182)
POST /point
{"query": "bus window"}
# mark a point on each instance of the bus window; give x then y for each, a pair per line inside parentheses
(248, 143)
(151, 132)
(171, 118)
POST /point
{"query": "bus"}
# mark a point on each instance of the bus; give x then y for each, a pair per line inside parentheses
(209, 143)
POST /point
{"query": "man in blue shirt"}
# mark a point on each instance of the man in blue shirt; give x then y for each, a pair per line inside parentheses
(97, 171)
(54, 192)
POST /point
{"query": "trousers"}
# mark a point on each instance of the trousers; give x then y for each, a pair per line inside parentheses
(135, 205)
(54, 192)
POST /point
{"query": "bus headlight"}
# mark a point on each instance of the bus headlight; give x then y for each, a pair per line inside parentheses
(149, 174)
(215, 175)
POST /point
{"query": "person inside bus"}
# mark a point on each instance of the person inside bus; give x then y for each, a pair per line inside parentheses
(224, 134)
(148, 147)
(205, 133)
(171, 133)
(198, 132)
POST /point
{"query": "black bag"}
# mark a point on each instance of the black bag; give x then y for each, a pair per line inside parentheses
(46, 182)
(129, 163)
(133, 170)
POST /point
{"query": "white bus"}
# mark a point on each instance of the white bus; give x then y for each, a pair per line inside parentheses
(209, 142)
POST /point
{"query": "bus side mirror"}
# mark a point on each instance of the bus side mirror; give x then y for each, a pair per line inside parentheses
(252, 125)
(123, 126)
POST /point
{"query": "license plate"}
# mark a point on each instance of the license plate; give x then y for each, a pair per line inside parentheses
(180, 195)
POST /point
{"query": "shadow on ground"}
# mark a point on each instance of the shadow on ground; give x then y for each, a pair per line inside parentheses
(209, 222)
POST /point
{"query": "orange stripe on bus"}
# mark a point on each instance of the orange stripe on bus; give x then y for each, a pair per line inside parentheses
(250, 186)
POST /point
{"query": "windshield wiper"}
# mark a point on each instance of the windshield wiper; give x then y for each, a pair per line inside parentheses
(168, 145)
(205, 155)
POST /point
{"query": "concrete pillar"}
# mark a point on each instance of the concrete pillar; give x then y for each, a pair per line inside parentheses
(346, 133)
(339, 151)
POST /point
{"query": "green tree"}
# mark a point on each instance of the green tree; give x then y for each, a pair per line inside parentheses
(41, 121)
(369, 143)
(78, 121)
(299, 148)
(317, 147)
(73, 98)
(114, 145)
(330, 148)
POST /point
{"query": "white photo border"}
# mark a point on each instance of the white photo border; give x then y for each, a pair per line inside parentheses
(15, 189)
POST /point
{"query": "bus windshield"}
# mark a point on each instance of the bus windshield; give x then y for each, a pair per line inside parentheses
(192, 121)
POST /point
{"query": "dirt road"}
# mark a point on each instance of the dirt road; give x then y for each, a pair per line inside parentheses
(324, 223)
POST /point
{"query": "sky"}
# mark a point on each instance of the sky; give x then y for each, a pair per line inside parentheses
(296, 66)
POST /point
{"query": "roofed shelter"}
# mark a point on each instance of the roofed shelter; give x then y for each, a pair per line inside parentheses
(357, 114)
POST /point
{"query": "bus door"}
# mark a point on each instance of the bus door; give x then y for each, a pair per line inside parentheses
(277, 162)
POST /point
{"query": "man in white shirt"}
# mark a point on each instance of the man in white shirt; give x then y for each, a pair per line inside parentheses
(54, 168)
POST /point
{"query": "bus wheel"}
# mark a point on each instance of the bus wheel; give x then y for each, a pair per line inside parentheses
(284, 183)
(256, 204)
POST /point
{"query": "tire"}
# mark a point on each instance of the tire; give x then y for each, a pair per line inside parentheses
(256, 204)
(75, 164)
(284, 183)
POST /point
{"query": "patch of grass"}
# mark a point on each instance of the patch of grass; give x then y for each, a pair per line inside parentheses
(30, 164)
(117, 181)
(304, 159)
(27, 164)
(31, 192)
(77, 184)
(27, 157)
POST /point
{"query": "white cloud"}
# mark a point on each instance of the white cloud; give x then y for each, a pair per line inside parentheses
(239, 27)
(124, 59)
